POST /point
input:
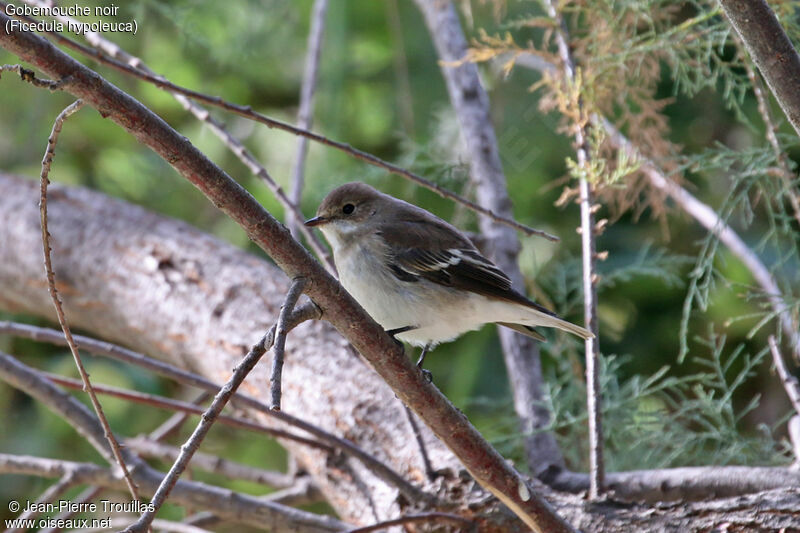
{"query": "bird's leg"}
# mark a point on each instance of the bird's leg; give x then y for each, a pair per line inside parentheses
(398, 331)
(426, 373)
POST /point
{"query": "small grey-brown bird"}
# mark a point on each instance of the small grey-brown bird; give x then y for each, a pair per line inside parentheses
(418, 276)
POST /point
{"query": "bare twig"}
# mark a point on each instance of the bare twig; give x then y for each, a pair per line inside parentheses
(403, 89)
(212, 413)
(423, 451)
(49, 154)
(230, 506)
(339, 308)
(168, 403)
(771, 50)
(247, 112)
(217, 127)
(173, 423)
(281, 329)
(302, 313)
(31, 382)
(788, 381)
(472, 107)
(712, 222)
(48, 496)
(149, 448)
(30, 77)
(588, 230)
(306, 108)
(423, 518)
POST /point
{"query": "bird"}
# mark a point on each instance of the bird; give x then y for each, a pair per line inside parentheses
(418, 276)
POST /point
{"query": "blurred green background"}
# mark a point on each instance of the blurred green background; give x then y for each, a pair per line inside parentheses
(380, 89)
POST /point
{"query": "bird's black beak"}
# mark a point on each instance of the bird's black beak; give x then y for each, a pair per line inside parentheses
(316, 221)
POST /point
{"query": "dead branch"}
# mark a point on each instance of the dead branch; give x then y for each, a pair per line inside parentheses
(247, 112)
(305, 109)
(47, 161)
(588, 231)
(339, 308)
(471, 104)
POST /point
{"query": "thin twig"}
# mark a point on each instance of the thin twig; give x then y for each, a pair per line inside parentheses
(217, 127)
(790, 384)
(279, 347)
(416, 519)
(177, 405)
(30, 77)
(247, 112)
(47, 161)
(233, 507)
(403, 88)
(146, 447)
(718, 227)
(211, 414)
(48, 496)
(423, 451)
(306, 311)
(305, 112)
(588, 230)
(174, 422)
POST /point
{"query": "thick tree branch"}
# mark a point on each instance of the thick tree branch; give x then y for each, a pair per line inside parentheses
(247, 112)
(484, 463)
(471, 104)
(771, 50)
(118, 239)
(217, 127)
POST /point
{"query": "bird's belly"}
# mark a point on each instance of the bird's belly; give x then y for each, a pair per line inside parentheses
(394, 303)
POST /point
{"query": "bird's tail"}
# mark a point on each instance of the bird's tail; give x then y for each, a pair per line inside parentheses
(562, 324)
(529, 317)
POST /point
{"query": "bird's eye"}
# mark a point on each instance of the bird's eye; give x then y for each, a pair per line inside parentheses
(348, 208)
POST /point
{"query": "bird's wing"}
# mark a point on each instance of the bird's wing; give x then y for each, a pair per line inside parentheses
(439, 253)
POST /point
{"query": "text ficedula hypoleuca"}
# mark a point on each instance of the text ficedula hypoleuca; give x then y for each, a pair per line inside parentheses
(415, 273)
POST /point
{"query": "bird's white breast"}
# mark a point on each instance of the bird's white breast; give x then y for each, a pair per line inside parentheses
(439, 314)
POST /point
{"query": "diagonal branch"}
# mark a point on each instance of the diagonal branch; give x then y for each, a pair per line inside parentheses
(247, 112)
(771, 50)
(107, 349)
(713, 223)
(486, 465)
(167, 403)
(217, 127)
(471, 104)
(214, 410)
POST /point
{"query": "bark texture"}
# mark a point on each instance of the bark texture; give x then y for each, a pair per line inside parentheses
(166, 288)
(171, 291)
